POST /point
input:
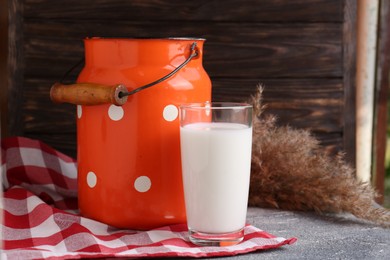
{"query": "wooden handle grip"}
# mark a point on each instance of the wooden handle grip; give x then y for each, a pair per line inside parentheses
(88, 94)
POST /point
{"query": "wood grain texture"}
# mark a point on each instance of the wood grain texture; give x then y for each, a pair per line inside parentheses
(231, 50)
(381, 99)
(16, 65)
(3, 67)
(178, 11)
(297, 49)
(349, 68)
(300, 103)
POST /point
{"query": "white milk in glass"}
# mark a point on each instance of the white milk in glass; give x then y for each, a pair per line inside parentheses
(216, 159)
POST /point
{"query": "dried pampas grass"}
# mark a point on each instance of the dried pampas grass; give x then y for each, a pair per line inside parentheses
(290, 171)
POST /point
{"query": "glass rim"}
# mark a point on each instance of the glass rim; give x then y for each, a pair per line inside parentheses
(178, 38)
(216, 105)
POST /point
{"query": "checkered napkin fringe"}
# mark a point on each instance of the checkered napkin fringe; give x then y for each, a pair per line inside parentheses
(41, 220)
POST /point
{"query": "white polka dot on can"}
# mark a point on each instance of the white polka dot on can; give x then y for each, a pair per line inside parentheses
(91, 179)
(170, 113)
(115, 113)
(142, 184)
(79, 111)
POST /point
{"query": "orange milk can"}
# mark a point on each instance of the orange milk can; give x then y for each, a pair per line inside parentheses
(129, 168)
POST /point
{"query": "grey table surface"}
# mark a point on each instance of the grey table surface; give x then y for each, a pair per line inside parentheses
(319, 237)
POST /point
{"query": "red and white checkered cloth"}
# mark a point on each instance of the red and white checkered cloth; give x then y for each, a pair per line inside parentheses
(41, 220)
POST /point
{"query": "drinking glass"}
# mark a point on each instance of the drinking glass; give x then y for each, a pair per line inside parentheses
(216, 146)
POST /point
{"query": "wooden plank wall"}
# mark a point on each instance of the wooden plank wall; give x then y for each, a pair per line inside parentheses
(3, 65)
(295, 48)
(381, 99)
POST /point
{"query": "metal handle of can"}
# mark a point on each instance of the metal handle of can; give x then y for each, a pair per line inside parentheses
(96, 94)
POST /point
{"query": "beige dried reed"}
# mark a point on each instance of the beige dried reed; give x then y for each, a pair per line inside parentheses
(291, 171)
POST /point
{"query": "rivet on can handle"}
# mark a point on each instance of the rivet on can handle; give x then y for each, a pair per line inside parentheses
(88, 94)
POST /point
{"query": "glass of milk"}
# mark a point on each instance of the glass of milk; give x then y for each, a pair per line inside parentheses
(216, 146)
